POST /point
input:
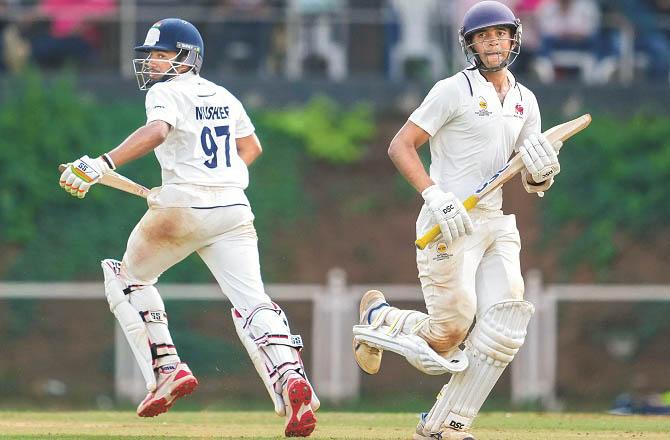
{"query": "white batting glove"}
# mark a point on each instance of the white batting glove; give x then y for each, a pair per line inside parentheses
(449, 213)
(82, 173)
(540, 157)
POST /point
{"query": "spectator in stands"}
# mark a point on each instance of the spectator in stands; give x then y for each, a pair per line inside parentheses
(527, 11)
(72, 30)
(416, 50)
(13, 48)
(566, 25)
(244, 35)
(314, 46)
(650, 41)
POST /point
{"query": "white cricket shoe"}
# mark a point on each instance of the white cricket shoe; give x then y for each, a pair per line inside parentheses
(300, 419)
(169, 387)
(369, 359)
(446, 434)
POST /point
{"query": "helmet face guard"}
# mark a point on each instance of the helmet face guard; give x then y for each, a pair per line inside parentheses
(147, 77)
(170, 35)
(487, 14)
(473, 57)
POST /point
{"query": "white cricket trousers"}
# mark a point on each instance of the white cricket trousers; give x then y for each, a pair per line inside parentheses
(466, 278)
(224, 237)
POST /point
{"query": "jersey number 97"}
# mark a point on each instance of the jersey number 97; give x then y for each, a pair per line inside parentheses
(210, 147)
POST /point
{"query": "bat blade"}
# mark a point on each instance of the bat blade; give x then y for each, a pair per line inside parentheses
(561, 132)
(117, 181)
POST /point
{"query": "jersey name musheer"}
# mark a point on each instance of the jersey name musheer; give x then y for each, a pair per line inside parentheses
(199, 162)
(473, 134)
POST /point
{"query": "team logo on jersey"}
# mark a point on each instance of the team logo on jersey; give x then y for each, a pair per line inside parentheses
(483, 107)
(442, 253)
(518, 110)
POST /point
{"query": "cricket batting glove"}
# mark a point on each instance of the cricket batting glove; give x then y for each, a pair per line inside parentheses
(449, 213)
(84, 172)
(540, 157)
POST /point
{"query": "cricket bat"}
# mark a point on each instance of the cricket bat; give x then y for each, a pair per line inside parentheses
(116, 180)
(560, 132)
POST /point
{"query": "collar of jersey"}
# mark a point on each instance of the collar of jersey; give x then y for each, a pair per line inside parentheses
(184, 76)
(480, 78)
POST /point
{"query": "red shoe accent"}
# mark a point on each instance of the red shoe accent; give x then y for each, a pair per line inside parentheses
(301, 420)
(181, 374)
(169, 391)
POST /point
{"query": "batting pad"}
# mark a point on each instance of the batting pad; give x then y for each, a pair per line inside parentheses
(274, 351)
(414, 348)
(493, 343)
(134, 328)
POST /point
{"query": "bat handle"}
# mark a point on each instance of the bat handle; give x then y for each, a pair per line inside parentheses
(428, 237)
(432, 234)
(62, 167)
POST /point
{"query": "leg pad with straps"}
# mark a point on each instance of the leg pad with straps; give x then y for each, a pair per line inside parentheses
(493, 343)
(274, 351)
(132, 324)
(414, 348)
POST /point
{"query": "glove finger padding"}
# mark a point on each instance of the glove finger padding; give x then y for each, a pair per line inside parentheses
(83, 189)
(460, 227)
(453, 228)
(446, 232)
(548, 149)
(64, 176)
(467, 224)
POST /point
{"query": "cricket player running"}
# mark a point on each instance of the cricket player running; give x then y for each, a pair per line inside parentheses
(204, 141)
(474, 121)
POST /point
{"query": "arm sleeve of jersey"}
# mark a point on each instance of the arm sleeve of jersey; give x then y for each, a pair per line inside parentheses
(533, 124)
(244, 127)
(161, 105)
(438, 107)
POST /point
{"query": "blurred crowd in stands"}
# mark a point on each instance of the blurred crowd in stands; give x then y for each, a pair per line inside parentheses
(596, 41)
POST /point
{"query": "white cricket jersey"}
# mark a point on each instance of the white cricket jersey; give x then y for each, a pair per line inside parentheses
(472, 135)
(199, 163)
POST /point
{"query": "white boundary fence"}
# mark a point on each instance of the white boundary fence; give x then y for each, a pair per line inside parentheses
(335, 309)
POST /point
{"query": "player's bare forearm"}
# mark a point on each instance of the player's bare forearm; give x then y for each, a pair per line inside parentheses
(142, 141)
(404, 155)
(248, 148)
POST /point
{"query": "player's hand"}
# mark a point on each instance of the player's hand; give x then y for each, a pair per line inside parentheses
(540, 157)
(449, 213)
(81, 174)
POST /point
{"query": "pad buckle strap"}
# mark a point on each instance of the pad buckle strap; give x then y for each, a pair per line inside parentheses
(399, 323)
(294, 341)
(278, 371)
(381, 318)
(162, 350)
(272, 306)
(158, 316)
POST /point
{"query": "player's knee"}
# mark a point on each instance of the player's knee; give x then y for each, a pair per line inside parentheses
(269, 319)
(445, 331)
(445, 336)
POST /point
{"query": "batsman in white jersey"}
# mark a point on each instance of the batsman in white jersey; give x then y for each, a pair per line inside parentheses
(474, 121)
(204, 141)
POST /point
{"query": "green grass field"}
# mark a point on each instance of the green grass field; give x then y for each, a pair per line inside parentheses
(332, 425)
